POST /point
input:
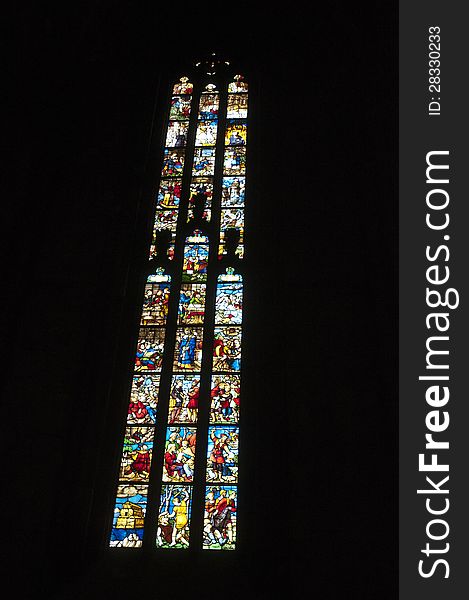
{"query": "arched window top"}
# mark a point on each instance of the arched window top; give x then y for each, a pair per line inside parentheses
(238, 86)
(183, 87)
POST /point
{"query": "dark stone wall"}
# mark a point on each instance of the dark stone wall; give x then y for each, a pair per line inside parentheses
(88, 83)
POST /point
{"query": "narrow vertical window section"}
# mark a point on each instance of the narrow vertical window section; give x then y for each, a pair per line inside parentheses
(134, 473)
(184, 410)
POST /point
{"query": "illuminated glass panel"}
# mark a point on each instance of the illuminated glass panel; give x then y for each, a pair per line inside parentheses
(233, 191)
(208, 106)
(183, 86)
(182, 377)
(150, 348)
(179, 454)
(191, 304)
(229, 303)
(225, 392)
(202, 185)
(235, 160)
(232, 217)
(169, 193)
(222, 454)
(174, 516)
(180, 108)
(237, 106)
(227, 349)
(176, 136)
(173, 162)
(184, 399)
(155, 304)
(188, 350)
(220, 517)
(236, 133)
(129, 516)
(195, 258)
(204, 162)
(143, 399)
(166, 219)
(238, 85)
(136, 454)
(206, 134)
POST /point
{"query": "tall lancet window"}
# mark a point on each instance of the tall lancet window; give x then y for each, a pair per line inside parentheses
(178, 475)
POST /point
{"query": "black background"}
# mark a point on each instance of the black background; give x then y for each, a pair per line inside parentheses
(320, 456)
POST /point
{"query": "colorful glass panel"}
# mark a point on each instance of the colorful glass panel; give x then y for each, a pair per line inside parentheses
(155, 304)
(236, 133)
(184, 399)
(173, 162)
(222, 454)
(206, 134)
(129, 516)
(235, 160)
(220, 517)
(237, 106)
(191, 304)
(166, 219)
(202, 185)
(176, 136)
(232, 218)
(183, 86)
(225, 393)
(169, 193)
(143, 399)
(150, 348)
(136, 454)
(208, 106)
(188, 350)
(204, 162)
(180, 108)
(179, 454)
(233, 191)
(229, 303)
(238, 85)
(196, 253)
(174, 516)
(227, 349)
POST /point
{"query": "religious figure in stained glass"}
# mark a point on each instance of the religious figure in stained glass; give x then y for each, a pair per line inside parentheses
(174, 517)
(143, 399)
(235, 160)
(208, 107)
(173, 162)
(206, 134)
(188, 350)
(136, 453)
(169, 193)
(220, 517)
(180, 108)
(176, 136)
(227, 349)
(155, 304)
(150, 347)
(233, 191)
(222, 454)
(179, 454)
(225, 392)
(191, 304)
(236, 132)
(204, 162)
(184, 399)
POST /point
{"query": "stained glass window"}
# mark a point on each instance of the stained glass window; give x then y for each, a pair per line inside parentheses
(177, 485)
